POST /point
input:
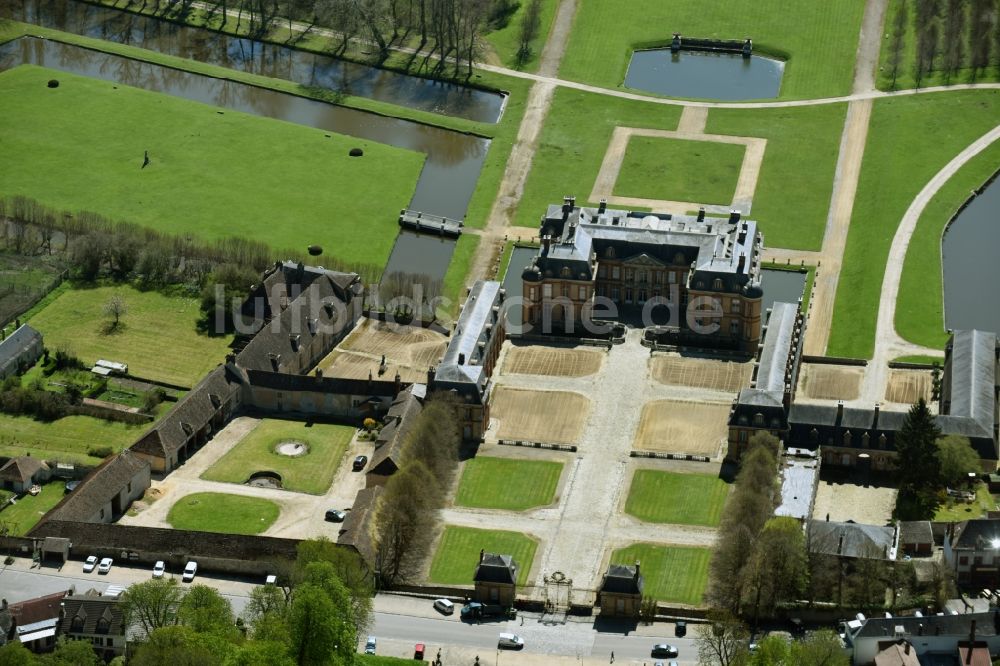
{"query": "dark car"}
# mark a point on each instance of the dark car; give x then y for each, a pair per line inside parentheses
(664, 650)
(680, 629)
(71, 486)
(360, 462)
(335, 515)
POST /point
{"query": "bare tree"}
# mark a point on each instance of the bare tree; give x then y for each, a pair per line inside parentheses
(982, 24)
(954, 37)
(723, 642)
(898, 42)
(530, 23)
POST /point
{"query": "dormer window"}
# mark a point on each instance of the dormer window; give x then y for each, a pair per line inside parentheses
(565, 272)
(609, 253)
(679, 259)
(847, 438)
(717, 284)
(758, 419)
(76, 625)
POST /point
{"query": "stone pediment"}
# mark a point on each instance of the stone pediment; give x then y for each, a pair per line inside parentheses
(643, 260)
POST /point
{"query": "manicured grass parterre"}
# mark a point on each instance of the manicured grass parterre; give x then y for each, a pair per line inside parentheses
(920, 304)
(680, 170)
(219, 512)
(309, 473)
(504, 483)
(216, 159)
(156, 338)
(683, 499)
(458, 553)
(819, 39)
(28, 510)
(793, 192)
(671, 573)
(65, 440)
(573, 142)
(899, 160)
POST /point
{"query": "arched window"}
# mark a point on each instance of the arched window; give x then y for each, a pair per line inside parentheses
(865, 438)
(814, 435)
(609, 253)
(881, 441)
(758, 419)
(717, 284)
(565, 272)
(847, 438)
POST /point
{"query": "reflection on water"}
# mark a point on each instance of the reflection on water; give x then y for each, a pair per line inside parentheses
(971, 269)
(270, 60)
(781, 287)
(520, 257)
(704, 75)
(446, 182)
(420, 254)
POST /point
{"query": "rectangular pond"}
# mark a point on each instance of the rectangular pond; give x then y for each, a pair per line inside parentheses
(704, 75)
(971, 269)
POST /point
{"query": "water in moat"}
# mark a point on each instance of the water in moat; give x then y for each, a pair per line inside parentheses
(272, 60)
(421, 254)
(781, 287)
(971, 270)
(520, 257)
(704, 75)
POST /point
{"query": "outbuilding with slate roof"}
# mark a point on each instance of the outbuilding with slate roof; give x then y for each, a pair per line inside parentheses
(621, 591)
(495, 579)
(20, 350)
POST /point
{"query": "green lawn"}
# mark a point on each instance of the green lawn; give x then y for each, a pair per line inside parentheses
(28, 510)
(157, 338)
(792, 198)
(506, 41)
(671, 573)
(65, 440)
(919, 306)
(310, 473)
(683, 499)
(928, 360)
(899, 160)
(957, 511)
(573, 142)
(680, 170)
(458, 553)
(819, 39)
(458, 270)
(219, 512)
(905, 77)
(240, 175)
(503, 483)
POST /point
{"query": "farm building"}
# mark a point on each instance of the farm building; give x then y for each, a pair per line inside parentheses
(19, 351)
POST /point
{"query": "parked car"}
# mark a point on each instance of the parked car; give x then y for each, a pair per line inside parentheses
(190, 571)
(70, 486)
(105, 565)
(680, 629)
(270, 579)
(89, 564)
(335, 515)
(159, 569)
(512, 641)
(663, 650)
(360, 462)
(477, 611)
(418, 651)
(444, 606)
(370, 645)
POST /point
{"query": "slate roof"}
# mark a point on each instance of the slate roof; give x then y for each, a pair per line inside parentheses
(976, 534)
(778, 347)
(21, 469)
(284, 282)
(399, 421)
(900, 653)
(357, 529)
(495, 568)
(37, 609)
(931, 625)
(622, 579)
(376, 388)
(798, 487)
(852, 540)
(15, 345)
(972, 364)
(914, 532)
(99, 615)
(97, 489)
(461, 367)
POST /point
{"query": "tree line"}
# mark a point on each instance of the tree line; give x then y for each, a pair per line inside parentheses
(948, 36)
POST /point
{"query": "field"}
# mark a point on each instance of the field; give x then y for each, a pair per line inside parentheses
(539, 416)
(310, 473)
(458, 553)
(682, 427)
(819, 40)
(830, 382)
(678, 170)
(671, 573)
(504, 483)
(157, 338)
(552, 361)
(21, 517)
(573, 142)
(728, 376)
(793, 192)
(65, 440)
(919, 305)
(216, 158)
(890, 179)
(682, 499)
(908, 386)
(218, 512)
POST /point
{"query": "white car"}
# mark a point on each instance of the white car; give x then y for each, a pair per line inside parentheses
(444, 606)
(89, 564)
(159, 569)
(510, 641)
(105, 565)
(190, 569)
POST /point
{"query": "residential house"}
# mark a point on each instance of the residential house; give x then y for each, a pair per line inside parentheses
(19, 474)
(34, 622)
(899, 653)
(974, 653)
(620, 594)
(495, 579)
(934, 638)
(96, 619)
(20, 350)
(972, 551)
(916, 537)
(852, 540)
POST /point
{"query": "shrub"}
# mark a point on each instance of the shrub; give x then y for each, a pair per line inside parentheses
(100, 451)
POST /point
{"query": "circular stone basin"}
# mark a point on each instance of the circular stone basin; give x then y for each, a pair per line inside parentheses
(291, 449)
(265, 480)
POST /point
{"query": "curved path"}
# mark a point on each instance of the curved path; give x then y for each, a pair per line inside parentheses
(888, 343)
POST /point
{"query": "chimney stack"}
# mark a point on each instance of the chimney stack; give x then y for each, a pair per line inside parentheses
(701, 214)
(637, 569)
(482, 554)
(840, 410)
(546, 241)
(906, 647)
(461, 359)
(603, 206)
(734, 216)
(741, 263)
